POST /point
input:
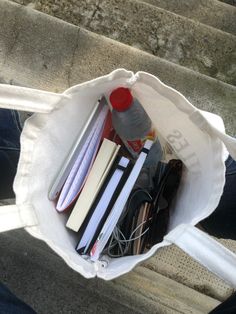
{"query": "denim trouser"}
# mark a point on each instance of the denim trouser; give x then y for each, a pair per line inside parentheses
(10, 304)
(221, 223)
(10, 130)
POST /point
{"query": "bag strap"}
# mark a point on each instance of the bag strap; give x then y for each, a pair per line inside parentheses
(229, 141)
(27, 99)
(13, 217)
(207, 251)
(203, 120)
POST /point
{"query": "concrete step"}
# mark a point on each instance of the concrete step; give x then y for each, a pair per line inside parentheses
(39, 51)
(177, 265)
(154, 30)
(231, 2)
(30, 57)
(210, 12)
(45, 282)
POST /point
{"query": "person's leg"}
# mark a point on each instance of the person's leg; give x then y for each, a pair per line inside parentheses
(10, 304)
(10, 130)
(222, 222)
(227, 307)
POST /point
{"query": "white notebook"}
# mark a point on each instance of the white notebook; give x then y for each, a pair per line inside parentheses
(82, 165)
(119, 204)
(103, 203)
(70, 159)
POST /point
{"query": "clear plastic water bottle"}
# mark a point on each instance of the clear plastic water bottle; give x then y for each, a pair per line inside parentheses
(130, 120)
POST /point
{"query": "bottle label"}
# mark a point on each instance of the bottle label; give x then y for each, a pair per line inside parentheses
(135, 146)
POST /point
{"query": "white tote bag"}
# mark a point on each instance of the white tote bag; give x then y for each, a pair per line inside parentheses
(197, 138)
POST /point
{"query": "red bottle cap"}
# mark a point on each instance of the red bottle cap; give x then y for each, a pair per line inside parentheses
(121, 99)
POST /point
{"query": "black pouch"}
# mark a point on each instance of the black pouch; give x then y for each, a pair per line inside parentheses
(163, 194)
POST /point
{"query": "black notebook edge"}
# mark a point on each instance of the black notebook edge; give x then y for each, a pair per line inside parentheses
(115, 195)
(97, 199)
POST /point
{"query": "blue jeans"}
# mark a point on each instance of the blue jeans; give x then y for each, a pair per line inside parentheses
(10, 304)
(221, 223)
(10, 130)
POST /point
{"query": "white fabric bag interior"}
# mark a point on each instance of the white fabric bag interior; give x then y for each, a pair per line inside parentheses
(47, 139)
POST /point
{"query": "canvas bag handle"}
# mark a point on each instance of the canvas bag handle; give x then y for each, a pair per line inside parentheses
(196, 243)
(198, 117)
(28, 99)
(32, 100)
(206, 250)
(12, 217)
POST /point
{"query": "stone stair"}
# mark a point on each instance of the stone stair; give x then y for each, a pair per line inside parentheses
(45, 282)
(231, 2)
(39, 51)
(210, 12)
(154, 28)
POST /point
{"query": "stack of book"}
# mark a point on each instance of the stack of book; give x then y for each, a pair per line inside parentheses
(96, 181)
